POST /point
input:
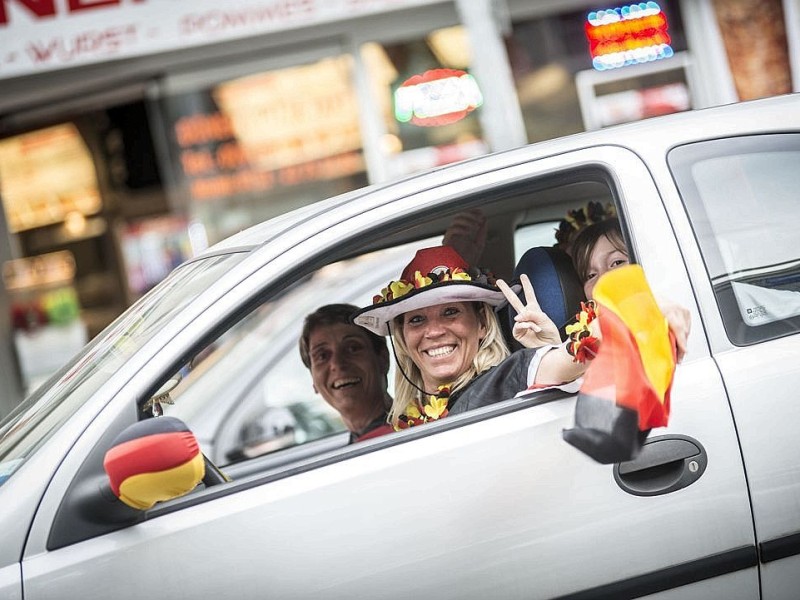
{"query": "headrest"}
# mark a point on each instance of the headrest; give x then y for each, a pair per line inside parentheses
(557, 286)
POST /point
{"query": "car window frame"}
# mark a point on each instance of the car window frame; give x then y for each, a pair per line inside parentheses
(349, 248)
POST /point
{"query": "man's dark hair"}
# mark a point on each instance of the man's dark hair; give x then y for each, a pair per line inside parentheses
(333, 314)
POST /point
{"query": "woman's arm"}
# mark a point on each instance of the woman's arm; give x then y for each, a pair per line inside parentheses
(558, 366)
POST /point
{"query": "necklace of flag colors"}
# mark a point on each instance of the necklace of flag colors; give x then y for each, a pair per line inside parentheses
(582, 345)
(434, 408)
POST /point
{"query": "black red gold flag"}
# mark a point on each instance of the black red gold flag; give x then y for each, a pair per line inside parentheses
(154, 460)
(626, 389)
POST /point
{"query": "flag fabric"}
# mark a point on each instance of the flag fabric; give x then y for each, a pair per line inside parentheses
(154, 460)
(626, 389)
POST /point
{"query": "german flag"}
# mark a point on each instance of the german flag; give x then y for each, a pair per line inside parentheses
(626, 389)
(154, 460)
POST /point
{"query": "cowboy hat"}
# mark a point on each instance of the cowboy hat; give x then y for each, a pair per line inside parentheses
(436, 275)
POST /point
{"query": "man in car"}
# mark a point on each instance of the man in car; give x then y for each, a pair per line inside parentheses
(349, 367)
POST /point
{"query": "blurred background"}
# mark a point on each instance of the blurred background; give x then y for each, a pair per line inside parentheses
(135, 133)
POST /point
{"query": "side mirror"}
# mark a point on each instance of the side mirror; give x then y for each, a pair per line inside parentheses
(153, 461)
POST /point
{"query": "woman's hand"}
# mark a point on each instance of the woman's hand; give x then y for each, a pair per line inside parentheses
(679, 320)
(532, 327)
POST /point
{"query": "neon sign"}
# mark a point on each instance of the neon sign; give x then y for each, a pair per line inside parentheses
(437, 97)
(627, 35)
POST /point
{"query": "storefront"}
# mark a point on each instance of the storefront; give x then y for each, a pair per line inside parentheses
(133, 133)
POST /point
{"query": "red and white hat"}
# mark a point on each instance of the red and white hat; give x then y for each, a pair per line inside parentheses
(436, 275)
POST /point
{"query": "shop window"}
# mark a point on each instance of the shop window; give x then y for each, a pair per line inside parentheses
(64, 258)
(45, 176)
(252, 147)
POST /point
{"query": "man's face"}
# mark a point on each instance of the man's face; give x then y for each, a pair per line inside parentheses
(348, 373)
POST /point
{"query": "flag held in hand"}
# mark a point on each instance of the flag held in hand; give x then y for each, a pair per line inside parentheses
(626, 389)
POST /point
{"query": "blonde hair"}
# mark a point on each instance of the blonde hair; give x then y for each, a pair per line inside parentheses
(491, 352)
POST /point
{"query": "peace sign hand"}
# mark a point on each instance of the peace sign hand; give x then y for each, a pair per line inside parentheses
(532, 327)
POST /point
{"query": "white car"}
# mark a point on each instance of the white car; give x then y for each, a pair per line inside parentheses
(492, 503)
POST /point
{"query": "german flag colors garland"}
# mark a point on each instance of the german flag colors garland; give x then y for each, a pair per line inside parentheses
(397, 289)
(582, 345)
(435, 408)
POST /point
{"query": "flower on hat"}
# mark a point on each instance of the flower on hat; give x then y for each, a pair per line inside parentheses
(399, 288)
(421, 281)
(395, 289)
(577, 219)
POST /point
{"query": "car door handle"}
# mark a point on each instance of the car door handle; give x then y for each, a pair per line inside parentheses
(666, 463)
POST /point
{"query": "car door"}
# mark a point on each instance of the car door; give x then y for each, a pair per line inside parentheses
(741, 198)
(492, 503)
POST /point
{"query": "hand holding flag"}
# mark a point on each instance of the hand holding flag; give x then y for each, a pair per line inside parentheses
(626, 389)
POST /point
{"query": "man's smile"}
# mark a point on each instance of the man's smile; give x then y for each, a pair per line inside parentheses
(345, 382)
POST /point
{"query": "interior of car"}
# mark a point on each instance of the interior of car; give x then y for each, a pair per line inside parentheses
(271, 395)
(246, 396)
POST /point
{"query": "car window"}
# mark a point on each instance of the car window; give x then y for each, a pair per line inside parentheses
(742, 198)
(249, 393)
(531, 236)
(246, 395)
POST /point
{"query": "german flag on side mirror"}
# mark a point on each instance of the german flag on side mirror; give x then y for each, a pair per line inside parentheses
(153, 461)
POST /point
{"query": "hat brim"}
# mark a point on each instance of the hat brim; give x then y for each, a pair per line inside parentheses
(377, 317)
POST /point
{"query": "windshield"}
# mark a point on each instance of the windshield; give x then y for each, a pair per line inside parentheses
(44, 412)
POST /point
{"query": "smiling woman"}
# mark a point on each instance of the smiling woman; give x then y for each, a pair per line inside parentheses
(450, 350)
(439, 339)
(600, 248)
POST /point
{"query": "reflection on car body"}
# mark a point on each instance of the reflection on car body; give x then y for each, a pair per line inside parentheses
(491, 503)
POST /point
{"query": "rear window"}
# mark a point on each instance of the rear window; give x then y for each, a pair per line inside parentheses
(743, 200)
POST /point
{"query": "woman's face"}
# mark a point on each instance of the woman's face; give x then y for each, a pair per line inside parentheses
(604, 257)
(443, 340)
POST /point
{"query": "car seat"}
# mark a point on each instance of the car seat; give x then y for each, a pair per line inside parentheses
(556, 283)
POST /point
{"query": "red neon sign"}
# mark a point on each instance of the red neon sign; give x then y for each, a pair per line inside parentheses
(437, 97)
(42, 9)
(627, 35)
